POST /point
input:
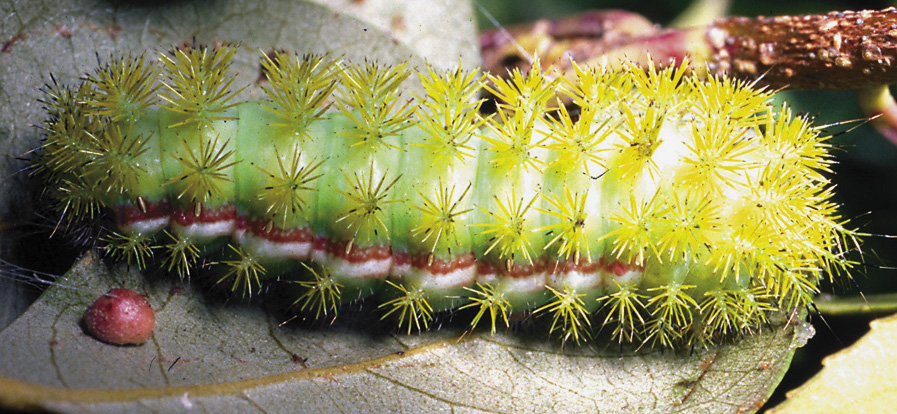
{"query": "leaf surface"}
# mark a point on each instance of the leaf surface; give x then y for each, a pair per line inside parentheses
(237, 358)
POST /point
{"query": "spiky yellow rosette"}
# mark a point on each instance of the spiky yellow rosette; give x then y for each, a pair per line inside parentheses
(668, 209)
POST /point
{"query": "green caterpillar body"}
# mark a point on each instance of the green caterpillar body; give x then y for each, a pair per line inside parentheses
(681, 210)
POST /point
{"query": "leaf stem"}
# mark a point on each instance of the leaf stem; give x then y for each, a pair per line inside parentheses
(858, 305)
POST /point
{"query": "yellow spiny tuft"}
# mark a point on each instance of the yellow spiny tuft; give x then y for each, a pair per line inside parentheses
(205, 173)
(412, 305)
(737, 101)
(748, 246)
(115, 159)
(523, 104)
(68, 130)
(285, 192)
(513, 143)
(322, 294)
(790, 144)
(62, 101)
(488, 299)
(755, 304)
(131, 248)
(300, 88)
(673, 311)
(598, 86)
(197, 84)
(449, 113)
(661, 88)
(569, 314)
(657, 103)
(366, 201)
(569, 233)
(246, 271)
(781, 200)
(123, 89)
(641, 137)
(625, 308)
(729, 312)
(77, 198)
(182, 254)
(439, 218)
(721, 310)
(634, 239)
(795, 288)
(526, 93)
(62, 152)
(371, 98)
(717, 156)
(685, 231)
(509, 231)
(579, 142)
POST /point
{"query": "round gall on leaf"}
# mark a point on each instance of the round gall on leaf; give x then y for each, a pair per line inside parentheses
(120, 317)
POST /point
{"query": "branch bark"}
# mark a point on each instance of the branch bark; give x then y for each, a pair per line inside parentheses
(837, 50)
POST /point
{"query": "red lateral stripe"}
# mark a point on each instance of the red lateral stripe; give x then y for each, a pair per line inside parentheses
(207, 215)
(355, 254)
(129, 214)
(442, 267)
(260, 229)
(126, 215)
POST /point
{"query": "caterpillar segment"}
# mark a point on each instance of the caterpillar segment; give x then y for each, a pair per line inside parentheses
(667, 210)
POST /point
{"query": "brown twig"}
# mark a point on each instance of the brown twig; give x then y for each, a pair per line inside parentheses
(838, 50)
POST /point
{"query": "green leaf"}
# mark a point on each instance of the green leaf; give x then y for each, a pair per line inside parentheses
(220, 357)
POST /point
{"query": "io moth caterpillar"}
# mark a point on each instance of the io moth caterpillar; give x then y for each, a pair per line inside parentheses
(671, 210)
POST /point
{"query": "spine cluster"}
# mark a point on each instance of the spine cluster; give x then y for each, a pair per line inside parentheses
(668, 209)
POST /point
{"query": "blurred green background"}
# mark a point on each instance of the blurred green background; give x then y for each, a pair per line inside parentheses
(865, 173)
